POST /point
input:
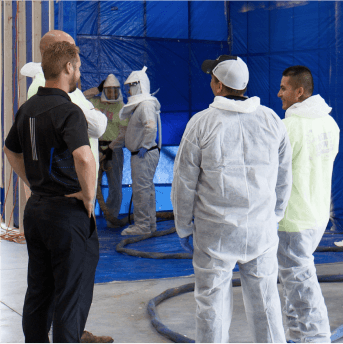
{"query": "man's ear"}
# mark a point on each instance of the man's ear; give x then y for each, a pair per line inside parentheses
(300, 92)
(219, 87)
(69, 68)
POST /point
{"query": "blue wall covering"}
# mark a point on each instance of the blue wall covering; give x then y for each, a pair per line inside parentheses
(275, 35)
(173, 38)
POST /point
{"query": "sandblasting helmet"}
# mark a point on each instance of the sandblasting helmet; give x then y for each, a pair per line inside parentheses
(137, 83)
(111, 92)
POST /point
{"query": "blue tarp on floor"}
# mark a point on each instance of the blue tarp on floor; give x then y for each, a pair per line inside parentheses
(114, 266)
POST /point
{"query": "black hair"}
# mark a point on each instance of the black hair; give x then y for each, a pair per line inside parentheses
(301, 77)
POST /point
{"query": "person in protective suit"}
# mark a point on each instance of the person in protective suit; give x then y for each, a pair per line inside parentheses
(233, 174)
(140, 139)
(112, 141)
(314, 136)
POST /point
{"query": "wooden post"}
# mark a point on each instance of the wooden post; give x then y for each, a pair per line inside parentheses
(8, 105)
(22, 94)
(36, 30)
(1, 70)
(51, 15)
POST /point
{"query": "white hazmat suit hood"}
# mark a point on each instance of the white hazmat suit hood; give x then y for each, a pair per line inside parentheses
(111, 81)
(31, 69)
(143, 80)
(143, 86)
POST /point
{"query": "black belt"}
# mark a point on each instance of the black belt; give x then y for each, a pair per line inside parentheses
(152, 148)
(104, 143)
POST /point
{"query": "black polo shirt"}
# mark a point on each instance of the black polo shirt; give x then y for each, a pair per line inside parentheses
(47, 129)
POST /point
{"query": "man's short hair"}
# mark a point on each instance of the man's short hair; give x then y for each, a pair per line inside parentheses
(56, 56)
(229, 90)
(301, 77)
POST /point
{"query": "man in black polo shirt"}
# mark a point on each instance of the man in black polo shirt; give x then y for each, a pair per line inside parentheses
(48, 148)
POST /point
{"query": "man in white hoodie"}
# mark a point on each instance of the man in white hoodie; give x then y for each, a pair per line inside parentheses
(314, 136)
(233, 174)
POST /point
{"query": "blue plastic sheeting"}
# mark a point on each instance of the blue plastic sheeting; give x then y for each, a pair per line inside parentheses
(66, 15)
(167, 19)
(164, 170)
(87, 14)
(163, 201)
(272, 36)
(173, 38)
(209, 20)
(45, 17)
(114, 266)
(329, 257)
(119, 18)
(162, 179)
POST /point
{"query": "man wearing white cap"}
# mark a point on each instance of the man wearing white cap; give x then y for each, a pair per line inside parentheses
(112, 141)
(233, 174)
(140, 139)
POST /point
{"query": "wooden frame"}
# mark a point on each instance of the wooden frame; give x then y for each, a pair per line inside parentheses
(8, 107)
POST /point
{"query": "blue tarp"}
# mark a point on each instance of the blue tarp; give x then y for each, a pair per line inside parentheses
(173, 38)
(272, 36)
(114, 266)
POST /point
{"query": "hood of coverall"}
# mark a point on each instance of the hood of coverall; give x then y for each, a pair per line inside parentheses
(31, 69)
(312, 107)
(132, 102)
(243, 106)
(111, 81)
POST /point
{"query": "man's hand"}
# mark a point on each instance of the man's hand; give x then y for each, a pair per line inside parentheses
(186, 245)
(142, 152)
(87, 203)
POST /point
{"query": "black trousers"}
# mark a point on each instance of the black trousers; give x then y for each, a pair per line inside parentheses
(63, 250)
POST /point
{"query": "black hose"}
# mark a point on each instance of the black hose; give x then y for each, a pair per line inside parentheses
(179, 338)
(129, 214)
(155, 255)
(329, 249)
(160, 255)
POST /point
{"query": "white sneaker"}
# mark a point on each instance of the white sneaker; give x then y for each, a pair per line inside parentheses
(135, 230)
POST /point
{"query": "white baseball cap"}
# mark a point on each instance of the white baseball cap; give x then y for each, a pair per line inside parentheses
(232, 71)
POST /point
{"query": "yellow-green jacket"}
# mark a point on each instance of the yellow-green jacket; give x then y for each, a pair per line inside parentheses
(314, 137)
(116, 128)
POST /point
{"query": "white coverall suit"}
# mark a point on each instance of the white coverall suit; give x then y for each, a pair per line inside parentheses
(233, 174)
(314, 136)
(141, 133)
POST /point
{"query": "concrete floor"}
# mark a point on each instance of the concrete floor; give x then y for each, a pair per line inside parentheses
(119, 308)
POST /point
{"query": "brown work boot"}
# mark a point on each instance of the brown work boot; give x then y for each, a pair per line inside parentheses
(88, 337)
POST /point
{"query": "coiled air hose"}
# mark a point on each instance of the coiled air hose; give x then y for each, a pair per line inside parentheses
(156, 322)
